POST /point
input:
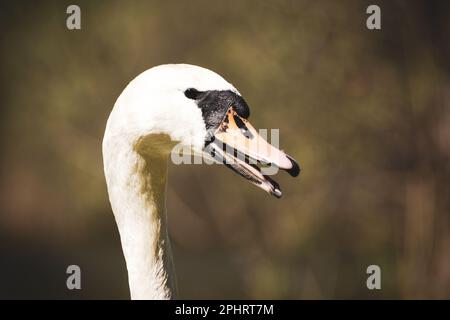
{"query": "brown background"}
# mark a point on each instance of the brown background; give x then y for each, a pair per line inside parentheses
(366, 113)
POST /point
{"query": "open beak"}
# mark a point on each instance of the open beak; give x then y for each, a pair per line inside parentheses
(238, 145)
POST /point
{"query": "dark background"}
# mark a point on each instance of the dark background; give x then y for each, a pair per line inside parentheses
(365, 112)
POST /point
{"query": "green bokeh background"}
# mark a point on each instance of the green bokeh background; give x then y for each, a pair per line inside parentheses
(366, 113)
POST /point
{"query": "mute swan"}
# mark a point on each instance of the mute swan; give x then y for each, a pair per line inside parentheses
(165, 105)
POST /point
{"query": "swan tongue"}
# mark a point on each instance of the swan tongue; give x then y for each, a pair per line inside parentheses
(238, 145)
(250, 172)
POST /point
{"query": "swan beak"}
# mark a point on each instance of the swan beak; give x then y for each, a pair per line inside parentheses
(238, 145)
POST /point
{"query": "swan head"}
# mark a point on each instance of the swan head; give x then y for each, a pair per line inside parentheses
(197, 109)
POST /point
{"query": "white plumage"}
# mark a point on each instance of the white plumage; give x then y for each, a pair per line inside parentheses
(149, 117)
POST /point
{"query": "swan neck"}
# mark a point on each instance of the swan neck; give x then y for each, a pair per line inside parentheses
(136, 187)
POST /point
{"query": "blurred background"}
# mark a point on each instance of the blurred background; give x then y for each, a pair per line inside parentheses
(365, 112)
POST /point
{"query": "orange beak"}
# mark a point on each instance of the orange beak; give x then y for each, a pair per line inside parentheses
(239, 146)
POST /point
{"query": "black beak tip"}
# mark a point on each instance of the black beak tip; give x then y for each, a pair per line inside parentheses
(295, 170)
(277, 193)
(275, 189)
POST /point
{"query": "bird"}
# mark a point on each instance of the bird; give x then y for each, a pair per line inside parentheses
(163, 107)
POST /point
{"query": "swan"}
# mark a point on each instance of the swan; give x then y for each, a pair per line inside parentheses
(165, 106)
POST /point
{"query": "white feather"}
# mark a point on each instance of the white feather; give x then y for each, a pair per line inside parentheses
(135, 163)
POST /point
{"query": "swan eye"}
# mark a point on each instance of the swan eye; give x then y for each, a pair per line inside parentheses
(192, 93)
